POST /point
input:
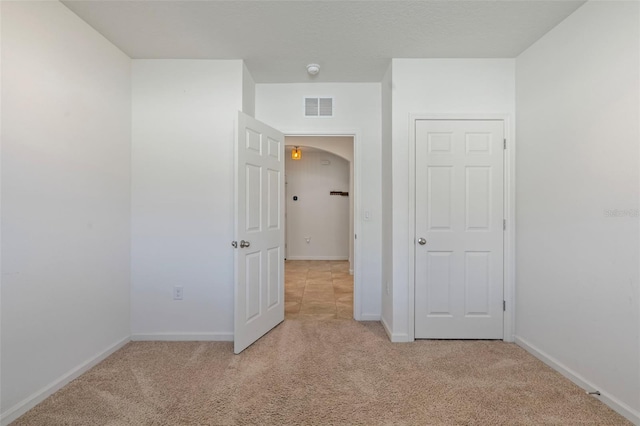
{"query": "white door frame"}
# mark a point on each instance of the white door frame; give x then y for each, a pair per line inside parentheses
(509, 214)
(357, 153)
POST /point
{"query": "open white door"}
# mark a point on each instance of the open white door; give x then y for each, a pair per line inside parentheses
(259, 245)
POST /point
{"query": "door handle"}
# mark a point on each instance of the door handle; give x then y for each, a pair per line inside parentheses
(422, 241)
(244, 243)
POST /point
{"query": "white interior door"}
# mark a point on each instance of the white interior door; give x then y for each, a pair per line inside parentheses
(459, 229)
(259, 208)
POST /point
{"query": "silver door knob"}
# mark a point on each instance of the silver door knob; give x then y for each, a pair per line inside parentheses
(244, 243)
(422, 241)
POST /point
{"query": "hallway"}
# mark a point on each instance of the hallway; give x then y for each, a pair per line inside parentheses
(318, 289)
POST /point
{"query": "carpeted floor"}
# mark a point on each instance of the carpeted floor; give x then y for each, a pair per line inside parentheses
(333, 372)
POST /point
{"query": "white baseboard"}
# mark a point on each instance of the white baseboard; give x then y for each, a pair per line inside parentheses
(369, 317)
(183, 337)
(37, 397)
(317, 258)
(397, 337)
(400, 338)
(386, 327)
(616, 405)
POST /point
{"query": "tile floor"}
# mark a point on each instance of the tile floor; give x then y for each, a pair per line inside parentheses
(318, 289)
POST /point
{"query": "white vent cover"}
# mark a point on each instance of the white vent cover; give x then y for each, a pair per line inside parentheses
(318, 107)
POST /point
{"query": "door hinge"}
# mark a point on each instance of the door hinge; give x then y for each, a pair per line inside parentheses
(355, 236)
(505, 143)
(504, 224)
(504, 306)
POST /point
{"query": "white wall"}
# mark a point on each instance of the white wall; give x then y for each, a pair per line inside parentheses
(578, 145)
(387, 202)
(317, 223)
(66, 134)
(357, 108)
(184, 114)
(434, 86)
(1, 274)
(248, 92)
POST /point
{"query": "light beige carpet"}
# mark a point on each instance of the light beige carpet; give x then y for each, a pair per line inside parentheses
(334, 372)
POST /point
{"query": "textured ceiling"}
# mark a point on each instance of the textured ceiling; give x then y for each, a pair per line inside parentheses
(351, 40)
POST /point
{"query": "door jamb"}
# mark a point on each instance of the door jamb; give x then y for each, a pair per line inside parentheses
(357, 153)
(509, 237)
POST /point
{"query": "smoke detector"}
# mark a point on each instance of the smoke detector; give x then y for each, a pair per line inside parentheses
(313, 69)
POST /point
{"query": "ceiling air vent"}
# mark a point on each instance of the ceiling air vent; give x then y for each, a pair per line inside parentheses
(318, 107)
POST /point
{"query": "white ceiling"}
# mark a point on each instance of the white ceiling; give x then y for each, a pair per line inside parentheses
(351, 40)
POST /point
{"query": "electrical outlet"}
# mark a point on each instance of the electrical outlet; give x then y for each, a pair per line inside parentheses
(177, 292)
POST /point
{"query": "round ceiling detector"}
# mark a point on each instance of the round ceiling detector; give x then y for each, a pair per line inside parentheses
(313, 69)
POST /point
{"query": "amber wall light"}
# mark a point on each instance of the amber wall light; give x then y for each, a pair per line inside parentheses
(296, 154)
